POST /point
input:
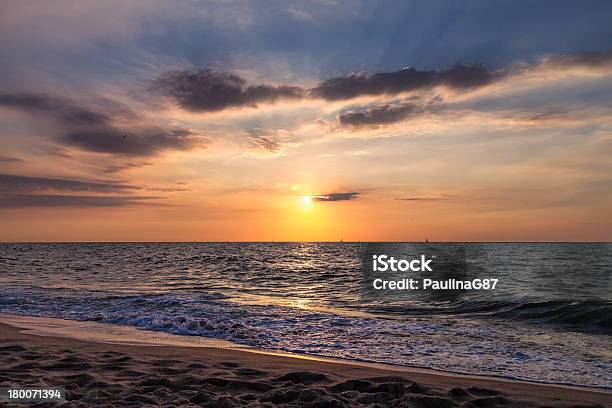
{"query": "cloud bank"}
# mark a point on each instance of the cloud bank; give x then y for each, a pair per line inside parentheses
(207, 90)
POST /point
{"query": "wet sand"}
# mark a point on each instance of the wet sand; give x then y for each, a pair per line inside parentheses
(124, 370)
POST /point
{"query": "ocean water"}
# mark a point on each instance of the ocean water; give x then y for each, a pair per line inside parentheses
(549, 318)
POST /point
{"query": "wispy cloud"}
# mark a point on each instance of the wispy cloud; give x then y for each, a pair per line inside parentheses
(54, 200)
(583, 59)
(17, 183)
(26, 191)
(265, 143)
(8, 159)
(379, 115)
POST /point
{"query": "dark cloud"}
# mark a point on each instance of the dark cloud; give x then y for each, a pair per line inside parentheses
(336, 197)
(207, 90)
(408, 79)
(52, 200)
(10, 183)
(387, 82)
(379, 115)
(462, 76)
(108, 139)
(94, 131)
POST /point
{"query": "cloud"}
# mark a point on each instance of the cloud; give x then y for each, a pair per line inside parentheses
(27, 191)
(108, 139)
(460, 76)
(379, 115)
(526, 103)
(119, 167)
(336, 197)
(266, 139)
(8, 159)
(265, 143)
(207, 90)
(584, 59)
(58, 108)
(52, 200)
(21, 184)
(95, 131)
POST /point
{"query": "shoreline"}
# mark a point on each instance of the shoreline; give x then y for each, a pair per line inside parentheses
(107, 333)
(229, 366)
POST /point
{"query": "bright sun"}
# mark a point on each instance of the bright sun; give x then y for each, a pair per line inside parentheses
(306, 200)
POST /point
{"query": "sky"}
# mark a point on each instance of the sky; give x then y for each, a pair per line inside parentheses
(305, 121)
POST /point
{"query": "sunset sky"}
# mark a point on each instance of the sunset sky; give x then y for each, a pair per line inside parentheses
(324, 120)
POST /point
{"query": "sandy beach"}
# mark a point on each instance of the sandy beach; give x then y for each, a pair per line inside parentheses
(121, 370)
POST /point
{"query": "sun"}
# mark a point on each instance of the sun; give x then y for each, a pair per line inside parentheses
(306, 200)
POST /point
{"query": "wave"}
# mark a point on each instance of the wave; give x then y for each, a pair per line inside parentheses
(590, 316)
(452, 343)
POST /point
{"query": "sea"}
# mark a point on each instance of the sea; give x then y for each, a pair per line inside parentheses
(549, 318)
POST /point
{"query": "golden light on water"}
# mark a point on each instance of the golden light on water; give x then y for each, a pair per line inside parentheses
(303, 304)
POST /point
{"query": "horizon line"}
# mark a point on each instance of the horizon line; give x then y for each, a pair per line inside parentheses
(313, 241)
